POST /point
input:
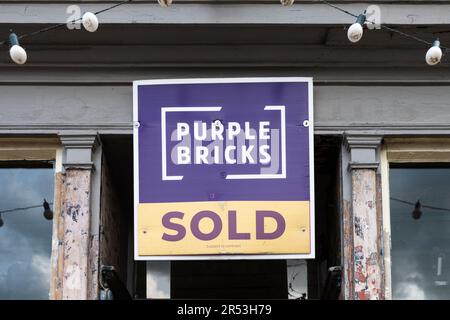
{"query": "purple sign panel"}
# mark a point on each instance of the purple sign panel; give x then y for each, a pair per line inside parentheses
(204, 142)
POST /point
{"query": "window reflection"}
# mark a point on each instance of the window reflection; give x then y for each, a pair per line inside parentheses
(420, 242)
(158, 279)
(25, 237)
(297, 277)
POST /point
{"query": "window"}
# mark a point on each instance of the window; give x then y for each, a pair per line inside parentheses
(416, 217)
(27, 177)
(420, 237)
(25, 236)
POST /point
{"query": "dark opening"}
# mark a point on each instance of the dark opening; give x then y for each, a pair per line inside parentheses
(321, 284)
(255, 279)
(245, 279)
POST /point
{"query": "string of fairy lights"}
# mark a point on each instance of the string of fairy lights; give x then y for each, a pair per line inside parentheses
(355, 32)
(48, 212)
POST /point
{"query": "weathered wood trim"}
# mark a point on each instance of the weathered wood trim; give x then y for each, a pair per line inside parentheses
(361, 220)
(77, 268)
(386, 225)
(367, 272)
(418, 149)
(26, 148)
(380, 235)
(348, 256)
(76, 216)
(93, 267)
(57, 257)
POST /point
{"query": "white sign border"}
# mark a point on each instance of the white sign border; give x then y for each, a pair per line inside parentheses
(310, 119)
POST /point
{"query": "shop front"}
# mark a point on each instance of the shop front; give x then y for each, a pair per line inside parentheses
(307, 167)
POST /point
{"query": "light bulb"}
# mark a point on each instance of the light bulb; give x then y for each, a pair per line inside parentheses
(417, 212)
(18, 54)
(355, 32)
(287, 2)
(48, 213)
(165, 3)
(90, 21)
(434, 54)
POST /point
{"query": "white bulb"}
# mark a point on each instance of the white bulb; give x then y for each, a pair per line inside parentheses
(165, 3)
(355, 32)
(90, 22)
(18, 54)
(434, 55)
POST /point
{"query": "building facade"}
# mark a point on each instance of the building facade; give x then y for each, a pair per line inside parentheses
(381, 144)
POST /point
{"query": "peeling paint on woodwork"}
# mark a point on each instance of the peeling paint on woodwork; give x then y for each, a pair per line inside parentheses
(73, 211)
(74, 250)
(76, 234)
(57, 239)
(72, 277)
(359, 227)
(347, 250)
(367, 271)
(380, 256)
(92, 277)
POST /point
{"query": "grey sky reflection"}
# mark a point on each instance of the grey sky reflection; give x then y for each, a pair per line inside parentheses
(420, 248)
(25, 238)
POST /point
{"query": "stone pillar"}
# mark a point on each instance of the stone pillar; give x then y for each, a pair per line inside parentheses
(362, 238)
(77, 266)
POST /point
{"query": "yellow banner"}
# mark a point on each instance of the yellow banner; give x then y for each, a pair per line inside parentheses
(232, 227)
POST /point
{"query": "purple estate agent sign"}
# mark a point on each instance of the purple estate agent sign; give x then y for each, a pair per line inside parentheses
(223, 168)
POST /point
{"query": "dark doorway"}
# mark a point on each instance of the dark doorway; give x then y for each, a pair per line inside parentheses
(239, 279)
(235, 279)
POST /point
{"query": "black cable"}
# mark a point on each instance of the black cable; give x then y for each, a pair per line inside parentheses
(404, 34)
(112, 7)
(338, 8)
(59, 25)
(423, 206)
(409, 36)
(22, 208)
